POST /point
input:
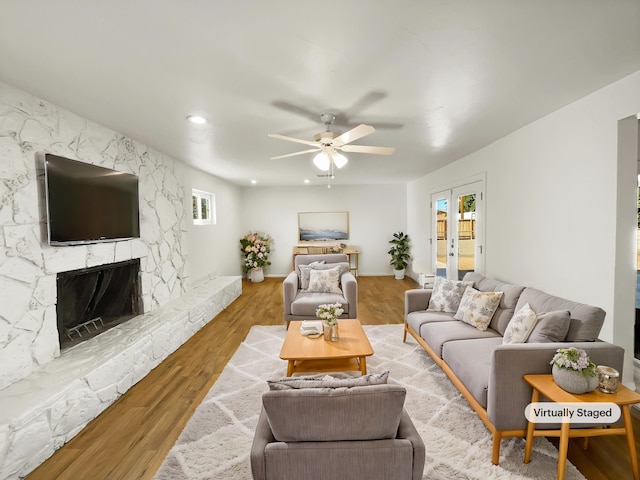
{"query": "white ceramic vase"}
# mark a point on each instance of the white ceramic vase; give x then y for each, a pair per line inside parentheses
(399, 274)
(256, 275)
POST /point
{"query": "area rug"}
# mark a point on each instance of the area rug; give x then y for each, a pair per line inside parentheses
(216, 441)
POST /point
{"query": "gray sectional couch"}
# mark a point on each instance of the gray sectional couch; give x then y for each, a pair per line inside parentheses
(489, 373)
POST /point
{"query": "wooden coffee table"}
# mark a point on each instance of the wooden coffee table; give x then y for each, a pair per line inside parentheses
(306, 354)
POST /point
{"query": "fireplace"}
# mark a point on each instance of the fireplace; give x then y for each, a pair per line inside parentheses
(93, 300)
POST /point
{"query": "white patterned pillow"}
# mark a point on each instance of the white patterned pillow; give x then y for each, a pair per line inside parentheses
(304, 273)
(446, 295)
(325, 281)
(477, 308)
(520, 326)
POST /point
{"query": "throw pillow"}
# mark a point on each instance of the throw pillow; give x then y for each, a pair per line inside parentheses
(325, 281)
(446, 295)
(477, 308)
(304, 273)
(328, 381)
(520, 326)
(551, 327)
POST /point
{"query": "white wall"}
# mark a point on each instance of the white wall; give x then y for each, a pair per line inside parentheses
(552, 216)
(212, 247)
(375, 212)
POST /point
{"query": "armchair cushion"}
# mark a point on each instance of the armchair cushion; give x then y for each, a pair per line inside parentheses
(334, 414)
(325, 281)
(306, 303)
(305, 271)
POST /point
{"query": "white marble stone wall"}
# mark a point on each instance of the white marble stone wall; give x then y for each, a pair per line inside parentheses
(28, 266)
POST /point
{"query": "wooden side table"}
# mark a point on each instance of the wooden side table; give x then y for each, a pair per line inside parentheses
(544, 385)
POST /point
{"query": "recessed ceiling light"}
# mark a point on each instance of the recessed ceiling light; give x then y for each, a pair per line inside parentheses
(306, 180)
(254, 182)
(197, 119)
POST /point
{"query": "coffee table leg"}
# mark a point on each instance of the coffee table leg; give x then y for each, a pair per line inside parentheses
(290, 366)
(363, 365)
(626, 415)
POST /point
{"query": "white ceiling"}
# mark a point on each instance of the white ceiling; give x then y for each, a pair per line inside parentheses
(438, 79)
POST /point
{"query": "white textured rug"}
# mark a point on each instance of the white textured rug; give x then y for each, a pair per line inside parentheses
(216, 442)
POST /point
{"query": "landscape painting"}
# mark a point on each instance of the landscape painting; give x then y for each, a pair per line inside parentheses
(323, 226)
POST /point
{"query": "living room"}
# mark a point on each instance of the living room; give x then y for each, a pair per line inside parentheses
(560, 210)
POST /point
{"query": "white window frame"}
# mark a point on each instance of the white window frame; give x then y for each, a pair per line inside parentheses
(210, 200)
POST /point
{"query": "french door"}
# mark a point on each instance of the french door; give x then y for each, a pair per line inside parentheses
(457, 230)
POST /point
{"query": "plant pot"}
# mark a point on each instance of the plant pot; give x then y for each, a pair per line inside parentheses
(572, 381)
(399, 274)
(256, 275)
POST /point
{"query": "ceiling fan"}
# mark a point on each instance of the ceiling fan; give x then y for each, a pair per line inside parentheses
(329, 144)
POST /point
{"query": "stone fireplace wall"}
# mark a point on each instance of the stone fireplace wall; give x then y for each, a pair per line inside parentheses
(28, 266)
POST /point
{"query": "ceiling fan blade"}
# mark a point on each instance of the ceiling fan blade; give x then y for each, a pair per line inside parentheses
(367, 149)
(291, 139)
(353, 134)
(296, 153)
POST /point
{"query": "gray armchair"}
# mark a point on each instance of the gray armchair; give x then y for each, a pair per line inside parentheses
(300, 302)
(361, 432)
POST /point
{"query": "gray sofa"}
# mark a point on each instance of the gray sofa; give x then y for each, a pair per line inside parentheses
(359, 432)
(300, 303)
(489, 373)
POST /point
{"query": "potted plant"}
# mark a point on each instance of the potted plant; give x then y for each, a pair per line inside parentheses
(573, 371)
(399, 252)
(255, 248)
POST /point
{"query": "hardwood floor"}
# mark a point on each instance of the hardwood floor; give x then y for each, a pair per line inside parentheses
(131, 438)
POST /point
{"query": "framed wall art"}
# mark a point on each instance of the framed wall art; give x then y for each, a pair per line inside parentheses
(323, 226)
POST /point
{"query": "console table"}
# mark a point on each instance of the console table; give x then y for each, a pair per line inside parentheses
(315, 249)
(545, 385)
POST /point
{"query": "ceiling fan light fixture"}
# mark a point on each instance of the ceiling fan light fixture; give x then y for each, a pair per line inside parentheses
(339, 160)
(322, 161)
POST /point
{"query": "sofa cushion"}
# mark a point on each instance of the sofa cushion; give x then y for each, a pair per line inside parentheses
(334, 414)
(550, 327)
(586, 321)
(306, 303)
(446, 295)
(477, 308)
(470, 360)
(510, 295)
(439, 333)
(335, 380)
(416, 319)
(325, 281)
(305, 271)
(520, 326)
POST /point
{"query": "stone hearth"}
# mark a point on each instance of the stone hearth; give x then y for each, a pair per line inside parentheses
(41, 412)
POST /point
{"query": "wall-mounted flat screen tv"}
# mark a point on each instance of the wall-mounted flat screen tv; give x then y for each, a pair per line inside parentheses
(89, 204)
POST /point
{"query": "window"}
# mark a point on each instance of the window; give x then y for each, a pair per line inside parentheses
(204, 208)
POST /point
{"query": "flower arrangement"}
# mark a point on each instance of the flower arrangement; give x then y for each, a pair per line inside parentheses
(575, 359)
(329, 312)
(255, 247)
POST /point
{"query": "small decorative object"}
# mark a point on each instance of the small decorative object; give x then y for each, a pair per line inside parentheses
(573, 371)
(329, 314)
(399, 252)
(255, 248)
(608, 378)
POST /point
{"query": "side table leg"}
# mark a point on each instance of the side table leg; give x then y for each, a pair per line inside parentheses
(562, 451)
(290, 366)
(628, 426)
(531, 426)
(363, 365)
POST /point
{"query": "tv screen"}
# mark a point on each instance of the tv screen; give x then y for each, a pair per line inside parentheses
(89, 204)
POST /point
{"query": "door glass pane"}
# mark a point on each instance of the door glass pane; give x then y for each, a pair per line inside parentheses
(466, 234)
(441, 238)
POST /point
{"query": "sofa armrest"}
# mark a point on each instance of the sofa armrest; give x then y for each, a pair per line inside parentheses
(508, 394)
(350, 291)
(261, 438)
(416, 300)
(289, 291)
(407, 431)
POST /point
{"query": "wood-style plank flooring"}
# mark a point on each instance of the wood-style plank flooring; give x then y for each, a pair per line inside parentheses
(131, 438)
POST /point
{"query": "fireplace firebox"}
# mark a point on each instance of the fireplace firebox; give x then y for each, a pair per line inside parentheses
(93, 300)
